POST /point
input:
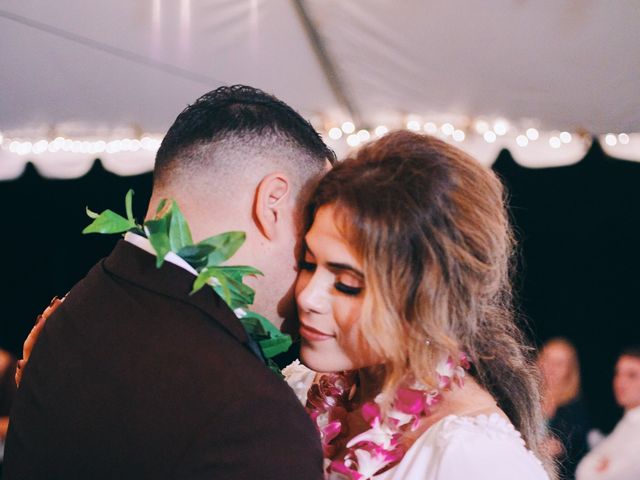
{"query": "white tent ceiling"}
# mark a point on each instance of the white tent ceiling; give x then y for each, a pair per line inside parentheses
(107, 70)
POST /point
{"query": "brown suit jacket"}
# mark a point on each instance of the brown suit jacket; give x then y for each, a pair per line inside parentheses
(134, 378)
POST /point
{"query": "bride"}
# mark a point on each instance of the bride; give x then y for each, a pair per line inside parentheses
(404, 303)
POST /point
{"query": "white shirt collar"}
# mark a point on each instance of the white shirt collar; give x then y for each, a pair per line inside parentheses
(143, 243)
(633, 414)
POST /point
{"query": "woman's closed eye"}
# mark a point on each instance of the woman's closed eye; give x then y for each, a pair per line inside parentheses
(348, 285)
(306, 265)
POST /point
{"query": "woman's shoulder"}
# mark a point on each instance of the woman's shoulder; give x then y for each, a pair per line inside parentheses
(459, 447)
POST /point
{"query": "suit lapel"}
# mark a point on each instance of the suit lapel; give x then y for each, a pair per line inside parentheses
(139, 267)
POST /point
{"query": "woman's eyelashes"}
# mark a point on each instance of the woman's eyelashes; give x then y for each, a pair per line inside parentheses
(306, 266)
(342, 285)
(347, 290)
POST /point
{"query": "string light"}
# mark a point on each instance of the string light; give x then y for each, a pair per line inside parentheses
(555, 142)
(565, 137)
(363, 135)
(489, 136)
(447, 129)
(348, 127)
(335, 133)
(413, 125)
(381, 130)
(489, 130)
(38, 147)
(500, 127)
(353, 140)
(532, 134)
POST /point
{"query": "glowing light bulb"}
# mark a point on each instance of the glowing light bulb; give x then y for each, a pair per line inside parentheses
(490, 136)
(522, 140)
(532, 134)
(623, 138)
(413, 125)
(447, 129)
(565, 137)
(555, 142)
(335, 133)
(381, 130)
(363, 135)
(459, 136)
(610, 139)
(500, 127)
(353, 140)
(348, 127)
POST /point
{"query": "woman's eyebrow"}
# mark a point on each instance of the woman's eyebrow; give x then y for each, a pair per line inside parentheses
(347, 267)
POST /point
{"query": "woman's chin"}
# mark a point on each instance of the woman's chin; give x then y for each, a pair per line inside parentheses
(324, 362)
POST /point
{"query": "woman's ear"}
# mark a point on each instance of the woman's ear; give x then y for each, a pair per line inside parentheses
(272, 203)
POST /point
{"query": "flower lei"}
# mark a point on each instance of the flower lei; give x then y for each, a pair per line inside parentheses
(169, 232)
(380, 447)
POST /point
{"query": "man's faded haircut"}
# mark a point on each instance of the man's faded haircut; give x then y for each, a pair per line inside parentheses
(231, 130)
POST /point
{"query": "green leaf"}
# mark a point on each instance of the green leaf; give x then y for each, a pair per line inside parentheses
(179, 233)
(254, 328)
(109, 222)
(158, 234)
(128, 203)
(160, 208)
(274, 346)
(273, 366)
(91, 214)
(268, 327)
(236, 270)
(195, 255)
(201, 281)
(226, 244)
(241, 295)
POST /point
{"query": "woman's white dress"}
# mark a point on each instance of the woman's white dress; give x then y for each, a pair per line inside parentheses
(483, 447)
(468, 448)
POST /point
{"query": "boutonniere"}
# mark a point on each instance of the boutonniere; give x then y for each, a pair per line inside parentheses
(169, 232)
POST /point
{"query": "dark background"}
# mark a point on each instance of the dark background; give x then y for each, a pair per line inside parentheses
(578, 229)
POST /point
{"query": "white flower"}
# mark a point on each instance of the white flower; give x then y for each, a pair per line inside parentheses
(401, 417)
(299, 378)
(379, 434)
(369, 464)
(445, 368)
(240, 313)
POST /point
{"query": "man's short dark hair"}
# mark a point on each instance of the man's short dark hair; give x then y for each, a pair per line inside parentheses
(631, 351)
(238, 117)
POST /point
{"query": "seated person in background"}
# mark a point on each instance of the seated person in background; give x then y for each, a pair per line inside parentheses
(7, 391)
(563, 406)
(618, 456)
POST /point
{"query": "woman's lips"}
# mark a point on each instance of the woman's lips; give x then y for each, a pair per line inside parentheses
(312, 334)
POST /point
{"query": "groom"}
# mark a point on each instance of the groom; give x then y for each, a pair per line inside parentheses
(132, 377)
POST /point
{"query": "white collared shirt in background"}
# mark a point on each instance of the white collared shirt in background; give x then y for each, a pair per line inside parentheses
(617, 457)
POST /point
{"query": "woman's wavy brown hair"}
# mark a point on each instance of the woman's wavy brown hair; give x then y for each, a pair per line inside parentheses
(430, 226)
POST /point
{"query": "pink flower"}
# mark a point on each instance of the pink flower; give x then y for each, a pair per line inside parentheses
(410, 401)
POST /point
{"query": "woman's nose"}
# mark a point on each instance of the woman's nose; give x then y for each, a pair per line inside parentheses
(313, 296)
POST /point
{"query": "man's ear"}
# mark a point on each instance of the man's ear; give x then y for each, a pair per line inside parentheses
(271, 203)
